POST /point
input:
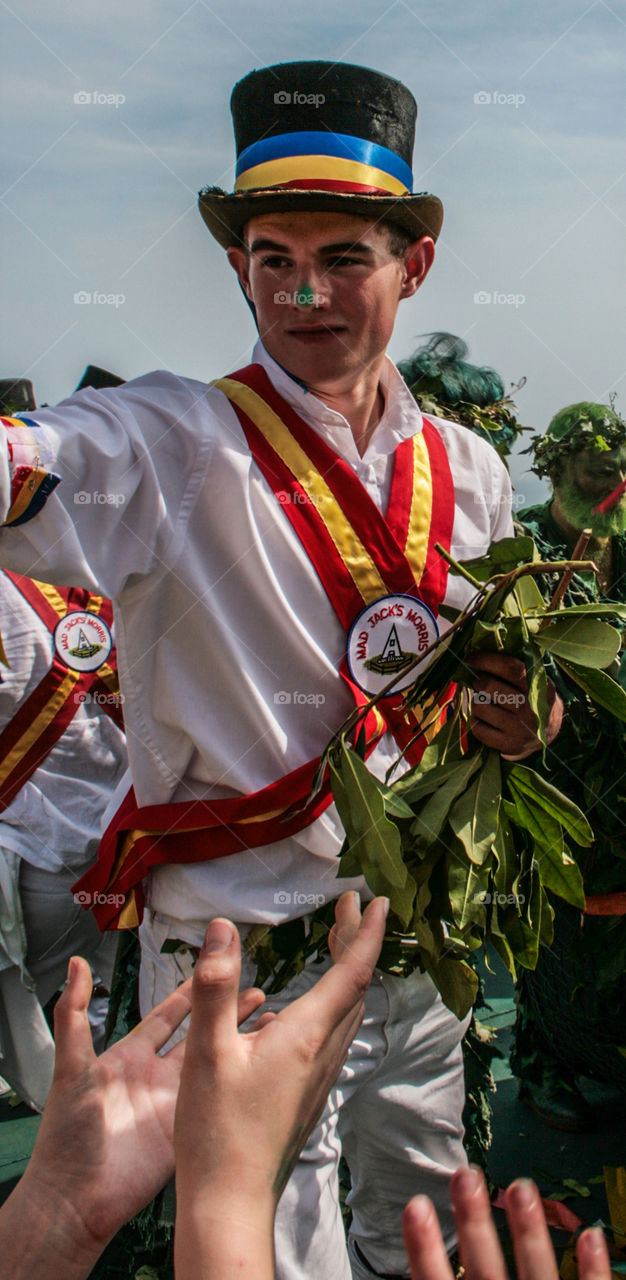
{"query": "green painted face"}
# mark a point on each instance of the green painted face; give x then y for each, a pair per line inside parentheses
(588, 477)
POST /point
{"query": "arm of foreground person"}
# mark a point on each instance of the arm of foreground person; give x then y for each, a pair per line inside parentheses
(479, 1246)
(247, 1103)
(105, 1143)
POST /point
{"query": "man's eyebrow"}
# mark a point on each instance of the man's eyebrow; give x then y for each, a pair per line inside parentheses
(346, 246)
(257, 245)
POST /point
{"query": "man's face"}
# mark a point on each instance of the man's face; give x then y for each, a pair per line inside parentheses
(589, 477)
(326, 290)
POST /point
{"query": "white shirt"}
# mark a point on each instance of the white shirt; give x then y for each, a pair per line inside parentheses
(218, 609)
(55, 819)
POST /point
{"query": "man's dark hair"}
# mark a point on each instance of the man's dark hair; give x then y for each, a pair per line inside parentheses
(398, 240)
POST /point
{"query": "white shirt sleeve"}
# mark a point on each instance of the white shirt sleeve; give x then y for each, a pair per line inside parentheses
(500, 512)
(129, 461)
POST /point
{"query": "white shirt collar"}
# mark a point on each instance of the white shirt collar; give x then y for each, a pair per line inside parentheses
(401, 417)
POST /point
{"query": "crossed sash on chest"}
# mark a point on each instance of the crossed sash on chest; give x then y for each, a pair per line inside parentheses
(83, 667)
(362, 559)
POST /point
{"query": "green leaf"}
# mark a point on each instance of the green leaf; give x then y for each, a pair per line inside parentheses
(598, 610)
(581, 640)
(526, 596)
(448, 612)
(561, 874)
(467, 887)
(394, 803)
(578, 1187)
(373, 839)
(533, 906)
(557, 869)
(500, 944)
(538, 695)
(172, 945)
(552, 801)
(489, 637)
(506, 856)
(424, 785)
(474, 816)
(432, 817)
(546, 928)
(506, 635)
(599, 685)
(522, 940)
(456, 982)
(503, 557)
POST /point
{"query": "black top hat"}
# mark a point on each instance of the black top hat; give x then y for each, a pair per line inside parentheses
(321, 136)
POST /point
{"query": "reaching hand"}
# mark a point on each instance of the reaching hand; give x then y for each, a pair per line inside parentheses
(479, 1247)
(248, 1102)
(105, 1143)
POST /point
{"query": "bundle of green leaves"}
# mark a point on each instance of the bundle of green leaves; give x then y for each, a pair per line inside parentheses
(465, 843)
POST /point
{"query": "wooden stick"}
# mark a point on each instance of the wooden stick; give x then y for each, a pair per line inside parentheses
(577, 554)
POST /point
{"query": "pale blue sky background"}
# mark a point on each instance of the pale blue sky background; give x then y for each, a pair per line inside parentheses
(102, 198)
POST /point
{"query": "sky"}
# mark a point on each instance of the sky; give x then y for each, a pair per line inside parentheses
(115, 116)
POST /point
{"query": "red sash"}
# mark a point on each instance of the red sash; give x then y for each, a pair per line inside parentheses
(359, 555)
(44, 716)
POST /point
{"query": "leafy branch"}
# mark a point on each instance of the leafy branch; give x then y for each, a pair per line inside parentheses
(466, 844)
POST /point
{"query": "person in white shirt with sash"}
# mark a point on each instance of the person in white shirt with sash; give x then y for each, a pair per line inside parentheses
(254, 531)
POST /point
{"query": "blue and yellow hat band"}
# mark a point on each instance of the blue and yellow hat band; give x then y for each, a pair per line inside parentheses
(323, 161)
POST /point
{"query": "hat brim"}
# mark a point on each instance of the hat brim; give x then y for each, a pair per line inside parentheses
(226, 214)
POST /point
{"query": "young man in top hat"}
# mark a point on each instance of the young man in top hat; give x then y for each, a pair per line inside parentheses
(253, 526)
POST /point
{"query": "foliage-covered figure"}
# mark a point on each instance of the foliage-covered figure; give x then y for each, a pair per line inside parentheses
(445, 384)
(572, 1008)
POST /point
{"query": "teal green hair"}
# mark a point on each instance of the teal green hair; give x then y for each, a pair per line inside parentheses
(446, 384)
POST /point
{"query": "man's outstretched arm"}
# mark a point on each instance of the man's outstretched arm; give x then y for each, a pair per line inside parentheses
(91, 489)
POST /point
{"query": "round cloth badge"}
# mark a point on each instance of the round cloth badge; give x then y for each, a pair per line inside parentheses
(386, 639)
(82, 641)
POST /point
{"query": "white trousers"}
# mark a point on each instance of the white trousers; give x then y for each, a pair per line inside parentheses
(42, 929)
(395, 1113)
